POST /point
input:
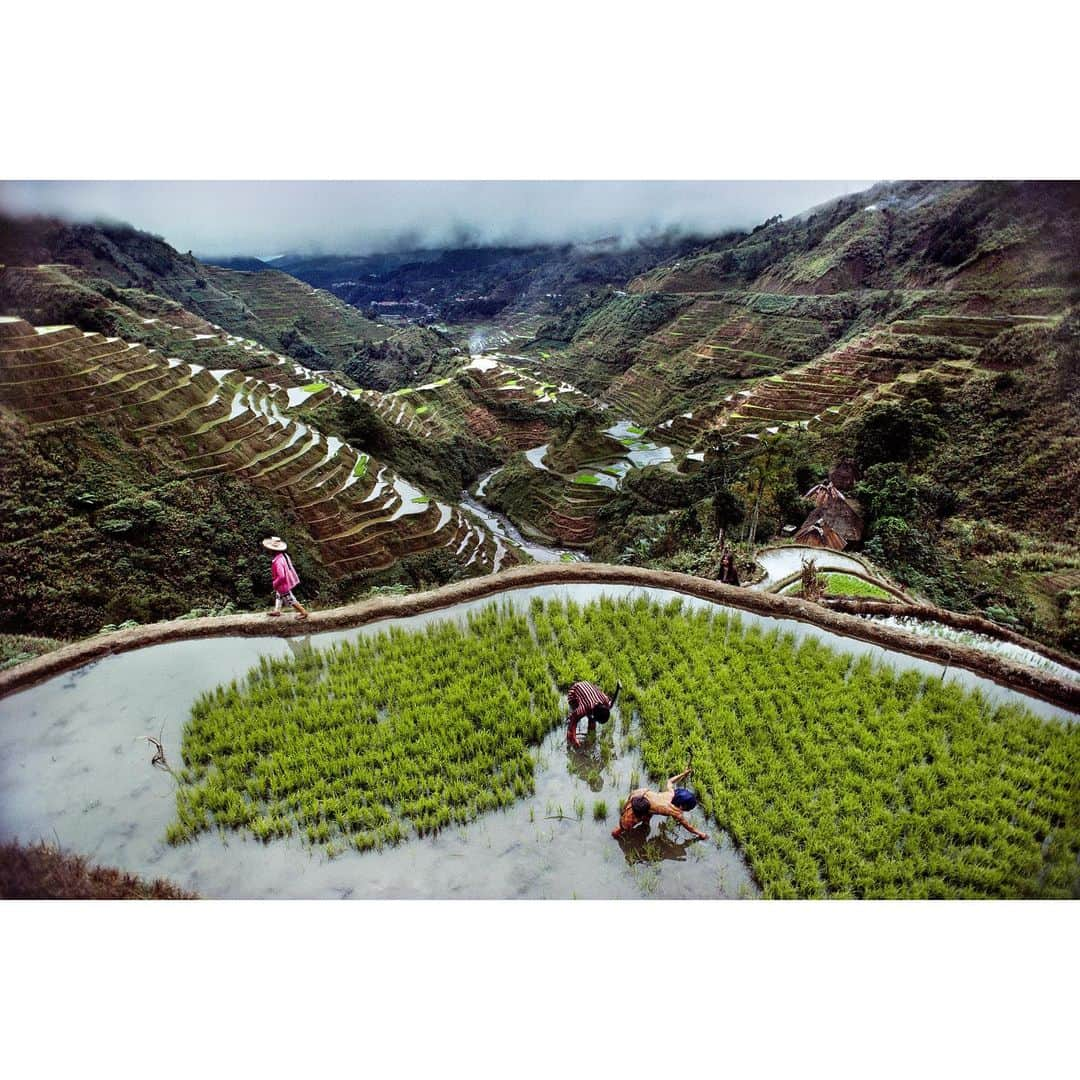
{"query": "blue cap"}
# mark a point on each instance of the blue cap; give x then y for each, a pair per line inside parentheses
(684, 799)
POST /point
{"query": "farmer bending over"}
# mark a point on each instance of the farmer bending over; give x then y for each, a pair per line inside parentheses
(586, 699)
(643, 803)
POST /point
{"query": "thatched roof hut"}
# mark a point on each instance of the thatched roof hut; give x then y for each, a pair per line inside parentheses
(817, 533)
(835, 511)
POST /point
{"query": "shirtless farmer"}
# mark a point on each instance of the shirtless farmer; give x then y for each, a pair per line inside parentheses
(643, 803)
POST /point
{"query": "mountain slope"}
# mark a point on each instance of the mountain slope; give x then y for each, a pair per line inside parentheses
(271, 307)
(135, 484)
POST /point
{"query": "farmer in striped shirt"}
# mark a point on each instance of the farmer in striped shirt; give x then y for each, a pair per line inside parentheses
(587, 699)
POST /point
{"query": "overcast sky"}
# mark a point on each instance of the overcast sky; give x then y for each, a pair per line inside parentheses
(265, 218)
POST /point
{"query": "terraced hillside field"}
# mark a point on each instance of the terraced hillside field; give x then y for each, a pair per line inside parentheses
(558, 490)
(274, 308)
(361, 516)
(865, 367)
(284, 307)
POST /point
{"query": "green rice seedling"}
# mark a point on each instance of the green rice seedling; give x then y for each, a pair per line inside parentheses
(835, 776)
(579, 808)
(599, 810)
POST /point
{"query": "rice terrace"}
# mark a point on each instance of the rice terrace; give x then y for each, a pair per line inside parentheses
(822, 770)
(739, 564)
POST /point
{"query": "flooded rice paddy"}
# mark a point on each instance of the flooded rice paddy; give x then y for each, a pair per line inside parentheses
(75, 769)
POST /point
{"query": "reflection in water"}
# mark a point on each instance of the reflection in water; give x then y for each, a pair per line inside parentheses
(640, 848)
(300, 646)
(588, 761)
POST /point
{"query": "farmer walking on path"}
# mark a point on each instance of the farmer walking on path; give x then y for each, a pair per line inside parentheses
(284, 575)
(643, 803)
(587, 699)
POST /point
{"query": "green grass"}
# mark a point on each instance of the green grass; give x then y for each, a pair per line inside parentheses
(848, 585)
(585, 478)
(361, 466)
(18, 648)
(835, 777)
(315, 387)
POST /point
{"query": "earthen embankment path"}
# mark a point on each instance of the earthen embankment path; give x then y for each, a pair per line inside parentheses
(1046, 686)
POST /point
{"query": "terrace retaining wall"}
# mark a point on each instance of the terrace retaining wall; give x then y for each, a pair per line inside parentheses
(1006, 672)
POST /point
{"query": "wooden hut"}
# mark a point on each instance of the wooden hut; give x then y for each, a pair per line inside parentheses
(817, 533)
(835, 516)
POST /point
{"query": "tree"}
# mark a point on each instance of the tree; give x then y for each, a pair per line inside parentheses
(718, 467)
(771, 475)
(896, 431)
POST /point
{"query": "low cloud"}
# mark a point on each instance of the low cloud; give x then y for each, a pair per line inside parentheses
(266, 218)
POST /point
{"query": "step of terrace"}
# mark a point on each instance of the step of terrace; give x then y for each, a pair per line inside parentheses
(219, 442)
(769, 412)
(183, 416)
(365, 562)
(328, 485)
(62, 414)
(335, 520)
(709, 351)
(17, 368)
(226, 417)
(274, 452)
(268, 444)
(368, 523)
(821, 381)
(90, 408)
(383, 529)
(99, 357)
(976, 329)
(11, 327)
(114, 386)
(811, 387)
(365, 492)
(43, 337)
(172, 387)
(311, 456)
(305, 477)
(357, 550)
(425, 541)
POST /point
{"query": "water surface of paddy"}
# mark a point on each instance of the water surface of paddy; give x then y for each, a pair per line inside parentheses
(74, 768)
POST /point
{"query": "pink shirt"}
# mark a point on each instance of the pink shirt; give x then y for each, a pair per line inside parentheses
(284, 573)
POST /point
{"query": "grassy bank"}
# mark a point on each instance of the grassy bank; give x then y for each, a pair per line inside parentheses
(44, 872)
(847, 585)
